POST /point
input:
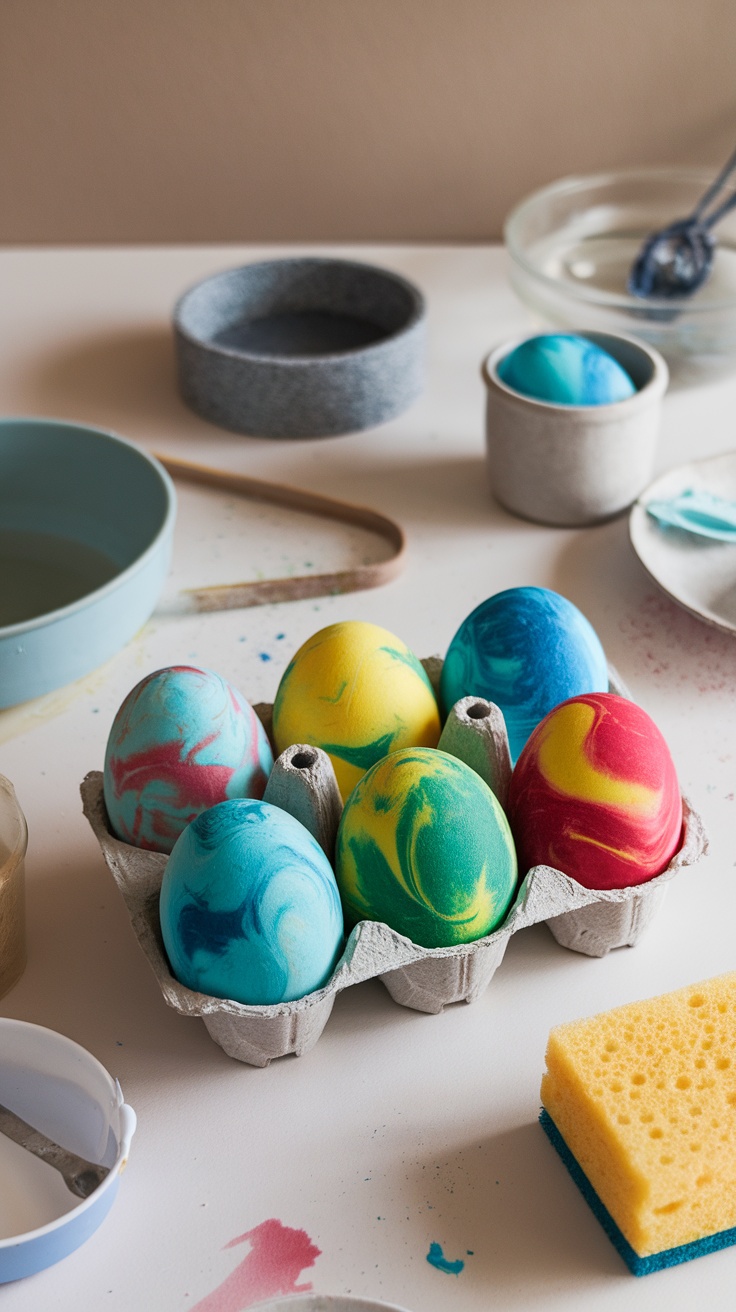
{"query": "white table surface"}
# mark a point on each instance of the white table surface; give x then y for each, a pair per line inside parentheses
(398, 1130)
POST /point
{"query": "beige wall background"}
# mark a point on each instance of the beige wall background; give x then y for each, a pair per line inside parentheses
(284, 120)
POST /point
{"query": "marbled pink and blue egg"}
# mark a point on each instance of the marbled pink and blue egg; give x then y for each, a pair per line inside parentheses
(183, 740)
(526, 649)
(565, 369)
(249, 906)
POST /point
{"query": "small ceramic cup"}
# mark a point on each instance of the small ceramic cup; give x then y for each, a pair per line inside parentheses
(571, 465)
(13, 843)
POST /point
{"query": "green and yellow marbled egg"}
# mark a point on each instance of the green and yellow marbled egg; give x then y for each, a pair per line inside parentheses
(358, 692)
(425, 846)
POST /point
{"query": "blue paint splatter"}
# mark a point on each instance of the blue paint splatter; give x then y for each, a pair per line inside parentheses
(264, 655)
(437, 1259)
(279, 636)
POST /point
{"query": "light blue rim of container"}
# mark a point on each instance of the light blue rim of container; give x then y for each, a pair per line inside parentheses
(26, 1254)
(63, 645)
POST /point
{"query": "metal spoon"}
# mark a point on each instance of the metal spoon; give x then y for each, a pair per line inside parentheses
(79, 1175)
(677, 260)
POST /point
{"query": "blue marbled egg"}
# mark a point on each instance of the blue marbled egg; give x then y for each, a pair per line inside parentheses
(565, 370)
(249, 906)
(527, 650)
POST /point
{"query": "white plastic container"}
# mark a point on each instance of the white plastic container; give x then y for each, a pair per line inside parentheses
(62, 1090)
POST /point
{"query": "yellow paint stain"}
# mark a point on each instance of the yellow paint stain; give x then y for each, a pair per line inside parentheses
(564, 763)
(16, 720)
(382, 826)
(605, 847)
(424, 818)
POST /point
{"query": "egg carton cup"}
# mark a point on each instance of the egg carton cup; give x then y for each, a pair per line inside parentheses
(302, 781)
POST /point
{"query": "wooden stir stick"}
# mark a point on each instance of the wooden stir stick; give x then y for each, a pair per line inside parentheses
(227, 596)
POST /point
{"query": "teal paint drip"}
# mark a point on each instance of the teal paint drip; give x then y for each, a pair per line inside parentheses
(437, 1259)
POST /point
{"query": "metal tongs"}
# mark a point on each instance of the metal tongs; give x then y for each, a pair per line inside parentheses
(79, 1175)
(678, 259)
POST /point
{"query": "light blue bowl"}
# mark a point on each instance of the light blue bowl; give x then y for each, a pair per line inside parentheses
(86, 527)
(63, 1091)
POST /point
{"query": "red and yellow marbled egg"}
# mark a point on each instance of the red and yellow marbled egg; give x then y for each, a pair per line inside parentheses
(595, 794)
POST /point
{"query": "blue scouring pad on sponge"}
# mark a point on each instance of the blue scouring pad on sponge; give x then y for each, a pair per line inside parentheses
(640, 1103)
(639, 1266)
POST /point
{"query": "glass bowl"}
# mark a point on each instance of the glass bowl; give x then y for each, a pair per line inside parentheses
(573, 243)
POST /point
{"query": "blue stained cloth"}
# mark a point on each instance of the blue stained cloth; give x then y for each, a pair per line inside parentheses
(697, 511)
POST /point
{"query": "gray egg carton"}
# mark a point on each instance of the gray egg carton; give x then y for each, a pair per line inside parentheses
(590, 921)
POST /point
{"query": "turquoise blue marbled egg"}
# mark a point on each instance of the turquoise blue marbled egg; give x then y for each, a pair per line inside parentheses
(527, 650)
(565, 370)
(183, 740)
(249, 906)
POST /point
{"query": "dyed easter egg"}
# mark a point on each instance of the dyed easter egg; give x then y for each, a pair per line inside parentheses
(357, 692)
(565, 370)
(183, 740)
(525, 649)
(249, 906)
(424, 846)
(595, 794)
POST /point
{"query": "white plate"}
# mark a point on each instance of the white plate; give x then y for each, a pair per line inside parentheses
(696, 572)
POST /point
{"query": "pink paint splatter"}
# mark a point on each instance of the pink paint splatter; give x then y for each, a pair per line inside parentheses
(677, 649)
(275, 1259)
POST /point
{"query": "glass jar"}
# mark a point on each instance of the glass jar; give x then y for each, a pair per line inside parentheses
(13, 843)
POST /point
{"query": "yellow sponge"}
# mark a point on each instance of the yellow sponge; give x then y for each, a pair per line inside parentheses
(644, 1098)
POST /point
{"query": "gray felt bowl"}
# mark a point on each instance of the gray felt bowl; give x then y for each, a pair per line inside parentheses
(301, 347)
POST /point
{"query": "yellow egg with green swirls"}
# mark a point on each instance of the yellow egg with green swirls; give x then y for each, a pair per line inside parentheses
(358, 692)
(424, 845)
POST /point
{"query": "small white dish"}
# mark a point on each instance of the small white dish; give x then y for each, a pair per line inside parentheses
(62, 1090)
(696, 572)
